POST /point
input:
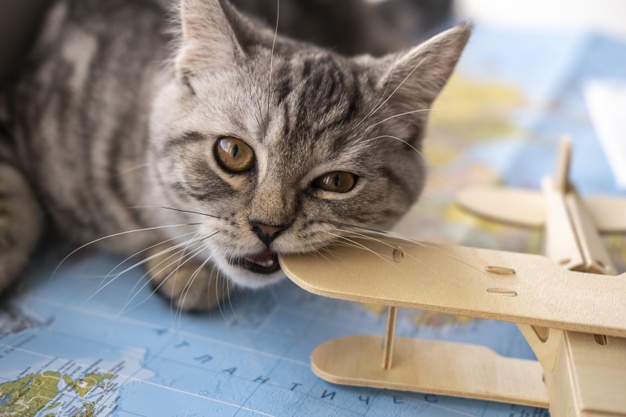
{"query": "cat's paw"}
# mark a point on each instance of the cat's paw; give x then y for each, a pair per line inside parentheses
(189, 285)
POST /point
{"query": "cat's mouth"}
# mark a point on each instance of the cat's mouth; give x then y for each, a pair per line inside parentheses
(265, 262)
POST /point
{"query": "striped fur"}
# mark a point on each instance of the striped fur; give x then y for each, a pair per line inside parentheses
(108, 125)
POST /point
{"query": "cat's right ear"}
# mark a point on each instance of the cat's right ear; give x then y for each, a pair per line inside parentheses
(208, 40)
(417, 76)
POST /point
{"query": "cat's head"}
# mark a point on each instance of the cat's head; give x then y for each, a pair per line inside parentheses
(285, 143)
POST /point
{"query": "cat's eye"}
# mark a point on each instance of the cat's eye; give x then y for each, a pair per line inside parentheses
(234, 155)
(336, 182)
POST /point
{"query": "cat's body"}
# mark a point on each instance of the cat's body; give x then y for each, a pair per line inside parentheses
(105, 130)
(79, 116)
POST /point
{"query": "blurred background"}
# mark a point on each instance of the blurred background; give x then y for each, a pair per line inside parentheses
(606, 16)
(19, 19)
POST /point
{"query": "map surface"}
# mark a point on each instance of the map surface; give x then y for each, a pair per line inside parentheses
(80, 344)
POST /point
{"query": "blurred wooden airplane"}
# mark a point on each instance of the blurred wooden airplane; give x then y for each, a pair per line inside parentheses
(569, 305)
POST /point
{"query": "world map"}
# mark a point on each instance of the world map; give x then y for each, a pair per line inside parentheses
(72, 346)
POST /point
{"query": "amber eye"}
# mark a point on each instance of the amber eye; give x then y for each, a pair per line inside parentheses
(336, 182)
(234, 155)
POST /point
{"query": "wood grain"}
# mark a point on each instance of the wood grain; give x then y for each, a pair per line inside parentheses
(435, 367)
(452, 279)
(525, 208)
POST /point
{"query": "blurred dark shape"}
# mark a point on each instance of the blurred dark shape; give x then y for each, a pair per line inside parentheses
(353, 27)
(19, 21)
(413, 19)
(349, 27)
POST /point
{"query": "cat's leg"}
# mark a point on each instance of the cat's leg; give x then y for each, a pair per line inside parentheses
(21, 223)
(189, 284)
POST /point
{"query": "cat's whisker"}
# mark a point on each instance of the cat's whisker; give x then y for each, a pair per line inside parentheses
(187, 288)
(376, 109)
(269, 84)
(149, 272)
(364, 119)
(176, 253)
(202, 240)
(180, 265)
(189, 256)
(228, 296)
(130, 299)
(144, 250)
(102, 284)
(199, 213)
(219, 304)
(373, 239)
(398, 139)
(399, 115)
(348, 243)
(180, 262)
(363, 247)
(421, 154)
(142, 262)
(364, 228)
(319, 252)
(127, 232)
(384, 233)
(345, 244)
(156, 255)
(412, 241)
(325, 249)
(387, 233)
(129, 170)
(380, 99)
(173, 274)
(381, 105)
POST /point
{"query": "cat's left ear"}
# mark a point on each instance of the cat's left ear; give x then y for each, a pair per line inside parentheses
(417, 77)
(209, 40)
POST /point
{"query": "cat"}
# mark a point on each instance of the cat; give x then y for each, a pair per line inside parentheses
(208, 149)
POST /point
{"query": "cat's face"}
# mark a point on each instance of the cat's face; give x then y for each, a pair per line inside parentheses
(287, 146)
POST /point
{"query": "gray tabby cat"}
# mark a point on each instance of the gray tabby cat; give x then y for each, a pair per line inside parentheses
(234, 148)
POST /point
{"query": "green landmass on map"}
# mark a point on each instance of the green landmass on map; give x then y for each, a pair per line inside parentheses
(51, 406)
(89, 410)
(83, 385)
(29, 394)
(32, 393)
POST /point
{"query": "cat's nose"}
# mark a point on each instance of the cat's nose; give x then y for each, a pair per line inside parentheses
(266, 232)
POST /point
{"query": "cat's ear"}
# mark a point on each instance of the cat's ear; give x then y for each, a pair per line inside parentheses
(208, 37)
(416, 77)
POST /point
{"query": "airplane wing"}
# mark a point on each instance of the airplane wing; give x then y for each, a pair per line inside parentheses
(476, 282)
(527, 207)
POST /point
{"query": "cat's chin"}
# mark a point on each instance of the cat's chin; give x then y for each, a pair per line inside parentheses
(253, 271)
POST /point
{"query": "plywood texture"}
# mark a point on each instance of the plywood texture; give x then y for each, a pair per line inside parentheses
(435, 367)
(453, 279)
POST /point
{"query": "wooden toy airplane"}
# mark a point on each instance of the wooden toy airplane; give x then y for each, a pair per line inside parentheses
(569, 305)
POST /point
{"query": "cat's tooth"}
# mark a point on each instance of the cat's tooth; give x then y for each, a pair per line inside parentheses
(267, 264)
